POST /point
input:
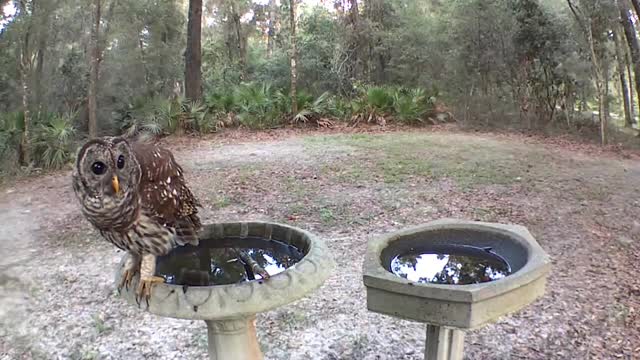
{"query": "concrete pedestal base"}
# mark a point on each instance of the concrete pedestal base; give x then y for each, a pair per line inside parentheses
(233, 339)
(443, 343)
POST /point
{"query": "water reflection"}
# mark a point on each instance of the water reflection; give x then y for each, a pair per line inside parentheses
(219, 265)
(450, 268)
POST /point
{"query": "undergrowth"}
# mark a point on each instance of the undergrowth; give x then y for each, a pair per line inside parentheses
(251, 105)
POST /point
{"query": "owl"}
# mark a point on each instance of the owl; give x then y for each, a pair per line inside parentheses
(135, 195)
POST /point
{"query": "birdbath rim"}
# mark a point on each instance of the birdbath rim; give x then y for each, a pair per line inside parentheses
(231, 301)
(458, 306)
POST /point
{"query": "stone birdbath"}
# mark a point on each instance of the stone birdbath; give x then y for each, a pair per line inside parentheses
(454, 275)
(209, 283)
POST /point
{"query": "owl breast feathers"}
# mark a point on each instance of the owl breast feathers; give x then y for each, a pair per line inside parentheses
(136, 196)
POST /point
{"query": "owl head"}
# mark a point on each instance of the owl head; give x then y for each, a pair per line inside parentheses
(106, 169)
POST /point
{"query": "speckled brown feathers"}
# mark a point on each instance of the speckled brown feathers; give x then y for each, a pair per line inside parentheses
(135, 194)
(164, 193)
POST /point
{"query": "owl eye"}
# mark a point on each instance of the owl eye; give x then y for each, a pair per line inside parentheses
(120, 161)
(98, 167)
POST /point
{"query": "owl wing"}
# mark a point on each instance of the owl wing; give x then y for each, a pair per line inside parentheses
(164, 193)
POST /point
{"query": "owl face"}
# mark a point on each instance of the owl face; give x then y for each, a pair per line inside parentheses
(107, 169)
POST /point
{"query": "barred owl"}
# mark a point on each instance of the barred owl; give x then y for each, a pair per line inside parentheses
(135, 195)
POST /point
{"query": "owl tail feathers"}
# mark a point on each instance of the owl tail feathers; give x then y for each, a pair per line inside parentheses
(187, 232)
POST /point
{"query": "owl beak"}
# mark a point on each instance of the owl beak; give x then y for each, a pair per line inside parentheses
(115, 183)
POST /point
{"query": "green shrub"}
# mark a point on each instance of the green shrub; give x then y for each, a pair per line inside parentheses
(410, 106)
(11, 125)
(141, 117)
(380, 99)
(197, 114)
(310, 109)
(169, 113)
(53, 140)
(381, 104)
(221, 102)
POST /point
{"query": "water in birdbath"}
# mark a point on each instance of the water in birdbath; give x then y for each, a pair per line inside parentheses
(450, 264)
(217, 262)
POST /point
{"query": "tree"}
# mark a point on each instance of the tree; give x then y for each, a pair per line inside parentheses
(632, 42)
(622, 67)
(293, 58)
(536, 42)
(378, 56)
(94, 64)
(590, 19)
(235, 34)
(43, 34)
(25, 66)
(98, 43)
(636, 6)
(193, 53)
(354, 47)
(532, 59)
(272, 28)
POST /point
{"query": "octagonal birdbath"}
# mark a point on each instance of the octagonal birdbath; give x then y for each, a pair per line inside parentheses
(207, 283)
(454, 275)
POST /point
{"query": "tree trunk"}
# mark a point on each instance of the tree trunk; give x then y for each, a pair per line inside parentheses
(94, 63)
(353, 12)
(605, 106)
(240, 41)
(632, 41)
(620, 55)
(354, 66)
(602, 116)
(636, 6)
(632, 110)
(43, 35)
(375, 14)
(25, 143)
(143, 61)
(24, 67)
(39, 75)
(271, 32)
(587, 26)
(293, 58)
(193, 55)
(602, 93)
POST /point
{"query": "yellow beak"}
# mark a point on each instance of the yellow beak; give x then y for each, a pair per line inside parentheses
(116, 184)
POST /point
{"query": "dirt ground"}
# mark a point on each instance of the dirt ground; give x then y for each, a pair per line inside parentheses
(57, 298)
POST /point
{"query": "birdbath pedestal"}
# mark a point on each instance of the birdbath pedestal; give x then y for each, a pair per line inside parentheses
(230, 310)
(450, 309)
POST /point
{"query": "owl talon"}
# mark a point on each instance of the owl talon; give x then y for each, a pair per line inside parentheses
(145, 285)
(130, 269)
(127, 278)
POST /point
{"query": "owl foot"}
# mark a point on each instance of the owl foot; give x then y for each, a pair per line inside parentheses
(127, 276)
(147, 278)
(130, 269)
(143, 291)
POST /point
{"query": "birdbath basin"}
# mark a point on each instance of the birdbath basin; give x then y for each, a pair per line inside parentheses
(454, 275)
(209, 283)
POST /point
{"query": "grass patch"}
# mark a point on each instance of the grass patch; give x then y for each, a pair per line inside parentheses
(395, 158)
(327, 216)
(354, 173)
(397, 169)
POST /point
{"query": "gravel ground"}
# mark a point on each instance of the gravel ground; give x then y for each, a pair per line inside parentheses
(57, 298)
